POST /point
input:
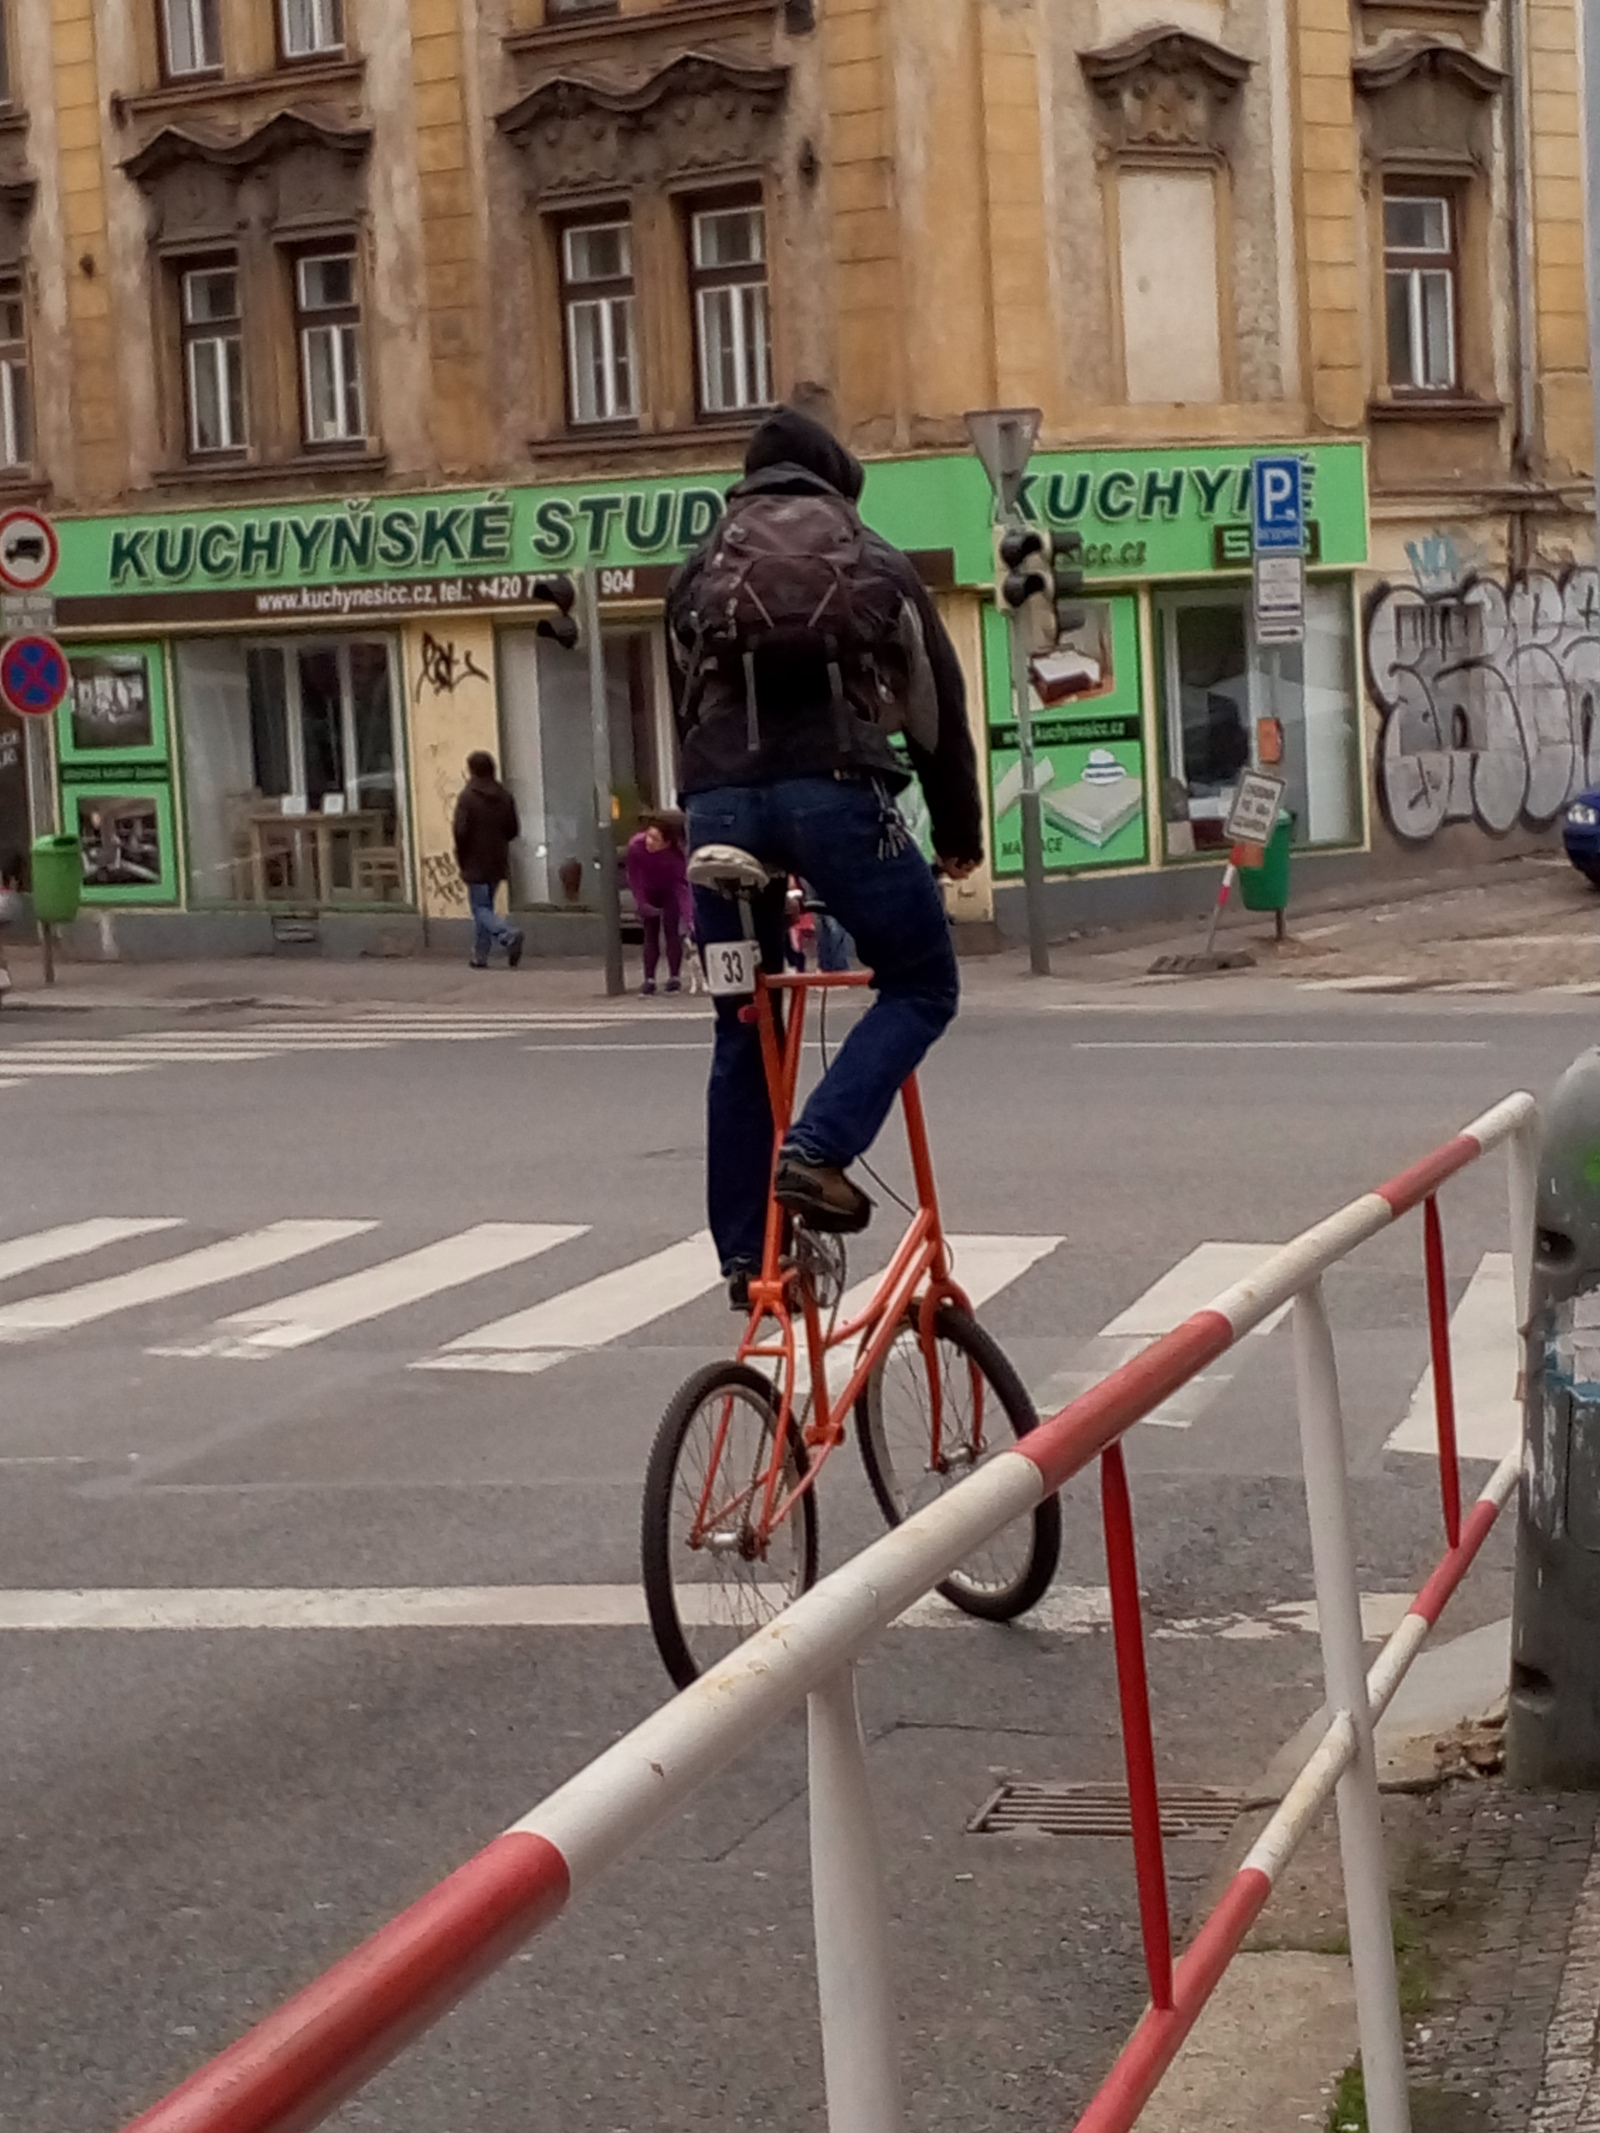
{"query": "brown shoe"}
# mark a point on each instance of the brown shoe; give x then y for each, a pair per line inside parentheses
(822, 1196)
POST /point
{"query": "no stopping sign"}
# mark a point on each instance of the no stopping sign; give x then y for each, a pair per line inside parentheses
(34, 676)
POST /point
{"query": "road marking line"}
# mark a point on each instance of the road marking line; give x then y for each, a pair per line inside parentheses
(212, 1263)
(1279, 1044)
(22, 1255)
(140, 1054)
(1189, 1287)
(590, 1316)
(1066, 1610)
(48, 1068)
(1486, 1366)
(638, 1051)
(314, 1314)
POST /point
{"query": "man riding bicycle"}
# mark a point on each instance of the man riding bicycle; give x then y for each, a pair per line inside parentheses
(801, 643)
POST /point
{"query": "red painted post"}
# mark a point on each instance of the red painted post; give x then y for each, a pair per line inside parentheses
(1138, 1743)
(1444, 1386)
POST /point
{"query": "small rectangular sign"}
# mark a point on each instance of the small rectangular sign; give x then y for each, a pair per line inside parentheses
(28, 614)
(730, 969)
(1254, 813)
(1279, 599)
(1278, 505)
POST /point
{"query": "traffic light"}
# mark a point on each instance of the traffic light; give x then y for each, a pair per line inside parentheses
(1025, 552)
(560, 593)
(1067, 567)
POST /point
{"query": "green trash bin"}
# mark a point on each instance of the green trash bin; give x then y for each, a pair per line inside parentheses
(1266, 887)
(57, 880)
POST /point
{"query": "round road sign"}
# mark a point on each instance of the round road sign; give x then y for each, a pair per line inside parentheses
(34, 675)
(29, 550)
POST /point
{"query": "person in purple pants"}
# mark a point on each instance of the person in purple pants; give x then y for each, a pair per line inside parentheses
(658, 875)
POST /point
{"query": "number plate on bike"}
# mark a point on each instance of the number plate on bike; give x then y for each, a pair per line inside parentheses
(731, 969)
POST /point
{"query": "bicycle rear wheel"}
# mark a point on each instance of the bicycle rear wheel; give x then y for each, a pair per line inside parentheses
(710, 1578)
(983, 1408)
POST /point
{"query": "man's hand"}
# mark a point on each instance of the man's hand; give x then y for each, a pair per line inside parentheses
(958, 869)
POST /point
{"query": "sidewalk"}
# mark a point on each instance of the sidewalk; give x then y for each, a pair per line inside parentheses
(1521, 925)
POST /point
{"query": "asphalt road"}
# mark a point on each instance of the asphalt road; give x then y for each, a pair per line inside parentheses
(194, 1819)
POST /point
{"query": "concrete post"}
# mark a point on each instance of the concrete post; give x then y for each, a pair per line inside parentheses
(1553, 1737)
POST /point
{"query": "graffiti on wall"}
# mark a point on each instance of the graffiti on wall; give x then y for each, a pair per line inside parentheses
(1489, 694)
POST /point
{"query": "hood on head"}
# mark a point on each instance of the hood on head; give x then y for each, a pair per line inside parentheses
(791, 439)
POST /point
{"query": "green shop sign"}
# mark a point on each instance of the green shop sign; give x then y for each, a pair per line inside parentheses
(1142, 515)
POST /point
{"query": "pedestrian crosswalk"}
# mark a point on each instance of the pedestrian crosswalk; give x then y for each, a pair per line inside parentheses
(380, 1280)
(27, 1061)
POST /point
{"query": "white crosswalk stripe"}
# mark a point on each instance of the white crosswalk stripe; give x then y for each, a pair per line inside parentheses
(205, 1268)
(314, 1314)
(591, 1316)
(1485, 1365)
(24, 1255)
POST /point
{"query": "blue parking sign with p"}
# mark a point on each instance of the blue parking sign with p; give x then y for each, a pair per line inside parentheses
(1278, 505)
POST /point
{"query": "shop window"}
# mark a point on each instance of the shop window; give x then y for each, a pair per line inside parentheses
(328, 326)
(292, 769)
(733, 335)
(1221, 693)
(1421, 287)
(213, 358)
(191, 37)
(16, 405)
(597, 302)
(548, 764)
(310, 29)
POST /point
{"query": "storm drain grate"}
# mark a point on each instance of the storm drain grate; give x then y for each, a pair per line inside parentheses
(1202, 1811)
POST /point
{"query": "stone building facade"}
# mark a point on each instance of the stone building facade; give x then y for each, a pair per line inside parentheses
(326, 326)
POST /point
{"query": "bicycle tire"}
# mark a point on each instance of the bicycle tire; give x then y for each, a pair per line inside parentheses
(688, 1646)
(899, 1492)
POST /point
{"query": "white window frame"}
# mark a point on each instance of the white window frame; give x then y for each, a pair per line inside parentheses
(1415, 270)
(16, 427)
(340, 329)
(327, 29)
(743, 290)
(201, 345)
(613, 310)
(200, 18)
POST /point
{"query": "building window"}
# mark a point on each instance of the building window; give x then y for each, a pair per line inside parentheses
(5, 54)
(213, 358)
(733, 336)
(1421, 291)
(16, 412)
(328, 321)
(598, 304)
(310, 28)
(191, 36)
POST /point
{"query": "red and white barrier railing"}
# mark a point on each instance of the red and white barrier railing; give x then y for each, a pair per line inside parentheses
(292, 2071)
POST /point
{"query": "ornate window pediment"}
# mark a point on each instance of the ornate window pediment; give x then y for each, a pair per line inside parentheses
(291, 175)
(1423, 99)
(1165, 91)
(698, 114)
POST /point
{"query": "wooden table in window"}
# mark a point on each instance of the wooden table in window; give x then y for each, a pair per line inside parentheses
(309, 842)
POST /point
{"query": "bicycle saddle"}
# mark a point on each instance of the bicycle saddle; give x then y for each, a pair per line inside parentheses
(730, 871)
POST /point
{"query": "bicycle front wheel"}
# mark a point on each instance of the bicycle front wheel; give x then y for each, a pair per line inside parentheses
(982, 1407)
(712, 1575)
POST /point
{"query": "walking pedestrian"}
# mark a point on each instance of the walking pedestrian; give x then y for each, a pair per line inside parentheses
(658, 875)
(485, 829)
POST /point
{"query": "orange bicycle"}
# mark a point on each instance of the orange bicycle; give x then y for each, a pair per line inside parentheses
(729, 1527)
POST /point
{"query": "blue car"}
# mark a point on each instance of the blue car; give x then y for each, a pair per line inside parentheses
(1580, 833)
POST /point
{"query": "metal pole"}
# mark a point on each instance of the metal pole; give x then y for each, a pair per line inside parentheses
(860, 2062)
(1032, 819)
(600, 744)
(1591, 190)
(1333, 1558)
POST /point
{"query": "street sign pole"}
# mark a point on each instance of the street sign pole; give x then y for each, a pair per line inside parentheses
(600, 744)
(1004, 439)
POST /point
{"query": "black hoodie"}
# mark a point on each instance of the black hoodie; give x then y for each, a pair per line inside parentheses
(791, 455)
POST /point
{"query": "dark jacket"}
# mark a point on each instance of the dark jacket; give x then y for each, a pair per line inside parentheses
(485, 824)
(790, 455)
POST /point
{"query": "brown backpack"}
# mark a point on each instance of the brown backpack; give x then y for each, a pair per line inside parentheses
(799, 577)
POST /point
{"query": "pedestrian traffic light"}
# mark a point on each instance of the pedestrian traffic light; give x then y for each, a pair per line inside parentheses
(561, 594)
(1025, 552)
(1067, 567)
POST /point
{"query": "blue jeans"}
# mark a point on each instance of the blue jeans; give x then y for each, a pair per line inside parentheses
(846, 837)
(490, 930)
